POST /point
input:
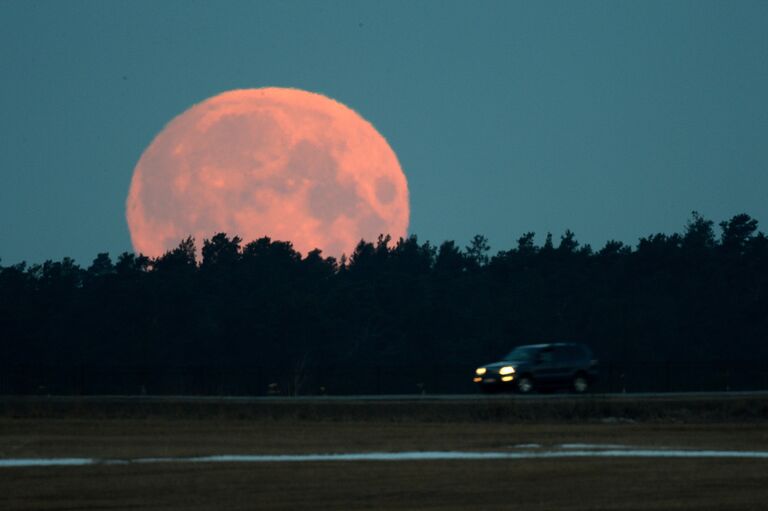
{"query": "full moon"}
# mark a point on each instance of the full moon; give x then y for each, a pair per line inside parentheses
(284, 163)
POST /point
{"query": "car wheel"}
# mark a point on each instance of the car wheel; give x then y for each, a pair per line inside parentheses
(580, 384)
(525, 384)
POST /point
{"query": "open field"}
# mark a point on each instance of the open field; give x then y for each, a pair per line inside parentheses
(135, 438)
(722, 406)
(621, 483)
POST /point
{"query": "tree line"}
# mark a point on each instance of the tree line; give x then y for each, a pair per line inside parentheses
(700, 296)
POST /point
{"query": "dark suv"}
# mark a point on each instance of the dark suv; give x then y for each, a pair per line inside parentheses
(561, 365)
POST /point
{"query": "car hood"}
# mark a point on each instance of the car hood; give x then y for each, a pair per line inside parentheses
(498, 365)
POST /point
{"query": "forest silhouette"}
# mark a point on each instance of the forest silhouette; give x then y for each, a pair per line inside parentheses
(396, 316)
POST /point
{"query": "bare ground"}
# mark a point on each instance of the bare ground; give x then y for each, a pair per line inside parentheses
(562, 484)
(623, 484)
(132, 438)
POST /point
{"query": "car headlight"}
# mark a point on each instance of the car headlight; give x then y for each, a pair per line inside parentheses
(480, 371)
(507, 370)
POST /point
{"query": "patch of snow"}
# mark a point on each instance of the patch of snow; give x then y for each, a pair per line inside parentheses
(45, 462)
(571, 452)
(617, 420)
(592, 446)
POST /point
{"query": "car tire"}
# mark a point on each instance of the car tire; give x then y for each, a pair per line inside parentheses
(524, 384)
(580, 383)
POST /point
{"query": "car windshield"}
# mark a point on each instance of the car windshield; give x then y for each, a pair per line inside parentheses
(523, 353)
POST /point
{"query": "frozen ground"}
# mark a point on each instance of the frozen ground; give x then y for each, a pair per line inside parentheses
(532, 452)
(190, 461)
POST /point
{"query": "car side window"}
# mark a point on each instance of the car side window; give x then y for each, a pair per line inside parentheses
(545, 356)
(569, 354)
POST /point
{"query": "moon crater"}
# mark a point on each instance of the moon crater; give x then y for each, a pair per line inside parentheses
(284, 163)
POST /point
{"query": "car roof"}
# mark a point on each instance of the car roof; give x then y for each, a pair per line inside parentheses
(551, 345)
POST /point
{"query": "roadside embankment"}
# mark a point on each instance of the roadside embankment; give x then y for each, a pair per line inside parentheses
(720, 407)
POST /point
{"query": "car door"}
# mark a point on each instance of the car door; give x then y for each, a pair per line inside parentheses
(544, 370)
(562, 365)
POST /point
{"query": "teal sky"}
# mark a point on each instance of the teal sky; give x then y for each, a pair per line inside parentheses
(614, 119)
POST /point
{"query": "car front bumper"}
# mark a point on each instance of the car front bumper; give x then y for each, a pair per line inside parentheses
(494, 379)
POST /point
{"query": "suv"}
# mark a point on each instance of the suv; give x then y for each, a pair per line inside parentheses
(562, 365)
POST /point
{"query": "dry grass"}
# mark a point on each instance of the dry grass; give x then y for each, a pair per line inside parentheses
(616, 407)
(562, 484)
(623, 484)
(114, 438)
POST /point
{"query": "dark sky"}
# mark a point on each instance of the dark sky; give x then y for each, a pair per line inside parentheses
(614, 119)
